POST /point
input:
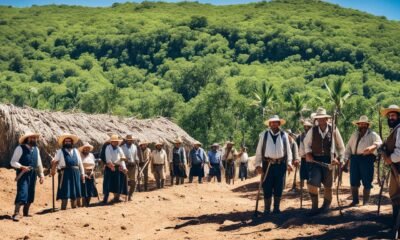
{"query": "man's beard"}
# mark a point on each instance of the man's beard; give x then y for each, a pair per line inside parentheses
(362, 129)
(32, 143)
(85, 153)
(393, 123)
(67, 145)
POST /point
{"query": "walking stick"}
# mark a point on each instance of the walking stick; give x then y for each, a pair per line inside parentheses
(382, 183)
(294, 179)
(52, 193)
(262, 180)
(301, 194)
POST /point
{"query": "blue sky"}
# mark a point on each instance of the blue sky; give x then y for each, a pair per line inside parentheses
(388, 8)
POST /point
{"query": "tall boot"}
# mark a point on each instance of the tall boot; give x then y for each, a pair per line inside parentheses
(177, 180)
(105, 198)
(79, 202)
(116, 198)
(26, 210)
(277, 203)
(354, 194)
(327, 200)
(162, 183)
(395, 212)
(267, 205)
(88, 201)
(366, 194)
(314, 203)
(64, 203)
(130, 193)
(73, 203)
(158, 183)
(182, 180)
(16, 216)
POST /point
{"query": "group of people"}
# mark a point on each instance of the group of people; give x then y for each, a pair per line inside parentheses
(316, 151)
(125, 164)
(320, 150)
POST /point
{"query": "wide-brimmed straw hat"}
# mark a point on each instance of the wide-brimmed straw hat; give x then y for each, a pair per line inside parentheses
(26, 135)
(215, 145)
(114, 138)
(307, 123)
(363, 119)
(129, 137)
(143, 142)
(197, 143)
(321, 113)
(86, 145)
(391, 108)
(159, 143)
(229, 143)
(178, 140)
(64, 136)
(275, 118)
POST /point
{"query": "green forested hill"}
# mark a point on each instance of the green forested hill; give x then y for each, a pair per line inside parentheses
(198, 64)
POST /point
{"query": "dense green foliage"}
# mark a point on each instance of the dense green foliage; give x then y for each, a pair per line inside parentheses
(215, 70)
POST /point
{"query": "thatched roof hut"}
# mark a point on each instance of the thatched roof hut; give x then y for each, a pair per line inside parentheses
(14, 121)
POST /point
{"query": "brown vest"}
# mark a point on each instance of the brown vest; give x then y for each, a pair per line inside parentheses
(319, 146)
(390, 142)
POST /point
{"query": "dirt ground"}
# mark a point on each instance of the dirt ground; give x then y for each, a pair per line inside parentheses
(192, 211)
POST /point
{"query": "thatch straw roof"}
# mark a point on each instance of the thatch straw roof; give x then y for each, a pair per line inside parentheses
(14, 121)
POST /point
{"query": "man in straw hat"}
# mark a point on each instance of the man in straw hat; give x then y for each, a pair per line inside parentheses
(115, 170)
(144, 154)
(273, 158)
(229, 155)
(178, 162)
(295, 153)
(361, 152)
(88, 187)
(244, 161)
(197, 159)
(27, 162)
(130, 151)
(71, 172)
(304, 171)
(215, 159)
(159, 161)
(317, 144)
(391, 155)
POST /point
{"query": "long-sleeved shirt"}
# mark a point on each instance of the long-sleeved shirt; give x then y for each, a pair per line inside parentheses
(302, 149)
(214, 157)
(339, 145)
(370, 138)
(159, 157)
(395, 156)
(229, 155)
(144, 155)
(88, 161)
(17, 155)
(131, 153)
(295, 150)
(197, 156)
(61, 161)
(274, 150)
(171, 154)
(114, 155)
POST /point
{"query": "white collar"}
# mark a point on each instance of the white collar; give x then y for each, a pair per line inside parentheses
(275, 134)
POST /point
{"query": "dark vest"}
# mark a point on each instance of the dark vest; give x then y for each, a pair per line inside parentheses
(29, 157)
(177, 155)
(390, 142)
(70, 161)
(319, 146)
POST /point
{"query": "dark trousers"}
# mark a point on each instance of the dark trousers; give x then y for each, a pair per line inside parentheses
(215, 171)
(362, 170)
(273, 184)
(304, 170)
(319, 174)
(26, 188)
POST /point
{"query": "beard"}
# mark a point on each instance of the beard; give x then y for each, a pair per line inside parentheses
(32, 143)
(393, 123)
(67, 145)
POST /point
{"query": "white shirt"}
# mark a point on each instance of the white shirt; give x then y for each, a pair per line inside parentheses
(370, 138)
(273, 150)
(339, 145)
(395, 156)
(61, 161)
(17, 155)
(114, 156)
(159, 157)
(244, 158)
(130, 153)
(88, 161)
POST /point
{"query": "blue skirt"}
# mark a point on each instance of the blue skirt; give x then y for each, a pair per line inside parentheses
(243, 170)
(114, 182)
(197, 170)
(26, 187)
(69, 184)
(89, 188)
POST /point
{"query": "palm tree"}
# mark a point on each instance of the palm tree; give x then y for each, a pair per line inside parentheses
(338, 94)
(264, 98)
(298, 108)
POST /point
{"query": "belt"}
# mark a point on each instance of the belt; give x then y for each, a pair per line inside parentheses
(275, 160)
(156, 164)
(74, 167)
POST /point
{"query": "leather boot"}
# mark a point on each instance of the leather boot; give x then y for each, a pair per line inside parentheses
(267, 205)
(354, 194)
(277, 203)
(158, 183)
(366, 194)
(162, 183)
(80, 202)
(73, 203)
(314, 203)
(64, 203)
(105, 199)
(26, 210)
(131, 191)
(16, 216)
(87, 202)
